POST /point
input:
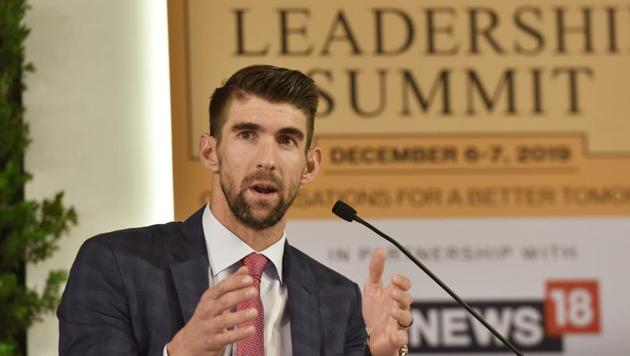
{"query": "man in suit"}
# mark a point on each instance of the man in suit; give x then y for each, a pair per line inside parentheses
(225, 281)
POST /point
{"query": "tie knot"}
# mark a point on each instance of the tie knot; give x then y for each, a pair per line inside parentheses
(256, 264)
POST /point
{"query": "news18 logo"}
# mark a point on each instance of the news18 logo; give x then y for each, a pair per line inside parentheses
(568, 307)
(572, 307)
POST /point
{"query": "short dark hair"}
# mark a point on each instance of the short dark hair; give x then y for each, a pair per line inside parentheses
(275, 84)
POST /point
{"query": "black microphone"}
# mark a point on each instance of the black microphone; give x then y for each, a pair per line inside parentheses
(347, 213)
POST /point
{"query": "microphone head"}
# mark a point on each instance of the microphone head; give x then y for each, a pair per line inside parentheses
(344, 211)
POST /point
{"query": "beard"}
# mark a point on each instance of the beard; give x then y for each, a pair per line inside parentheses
(244, 210)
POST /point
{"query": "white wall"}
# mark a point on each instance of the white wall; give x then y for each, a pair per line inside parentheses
(99, 110)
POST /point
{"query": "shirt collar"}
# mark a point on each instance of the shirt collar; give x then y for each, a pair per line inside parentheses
(226, 249)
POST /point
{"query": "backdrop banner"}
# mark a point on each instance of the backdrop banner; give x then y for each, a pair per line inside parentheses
(491, 137)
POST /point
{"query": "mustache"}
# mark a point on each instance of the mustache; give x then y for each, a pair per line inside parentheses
(262, 176)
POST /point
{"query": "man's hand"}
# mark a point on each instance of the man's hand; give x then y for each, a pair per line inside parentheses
(386, 310)
(211, 328)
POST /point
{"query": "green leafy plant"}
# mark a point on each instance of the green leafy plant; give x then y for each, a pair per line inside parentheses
(29, 229)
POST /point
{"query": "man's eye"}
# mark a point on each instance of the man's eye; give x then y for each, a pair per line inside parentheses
(287, 140)
(246, 135)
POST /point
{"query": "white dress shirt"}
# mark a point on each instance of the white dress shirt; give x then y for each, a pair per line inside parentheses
(225, 251)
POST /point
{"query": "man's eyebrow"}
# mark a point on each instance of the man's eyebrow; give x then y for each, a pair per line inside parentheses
(292, 131)
(246, 126)
(250, 126)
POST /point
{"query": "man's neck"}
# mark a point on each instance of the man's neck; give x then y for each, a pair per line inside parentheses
(256, 239)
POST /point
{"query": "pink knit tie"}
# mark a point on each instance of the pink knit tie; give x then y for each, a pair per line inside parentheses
(255, 344)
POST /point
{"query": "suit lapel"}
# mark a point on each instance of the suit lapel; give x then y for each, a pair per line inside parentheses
(303, 305)
(189, 264)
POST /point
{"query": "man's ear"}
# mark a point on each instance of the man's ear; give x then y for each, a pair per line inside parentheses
(313, 162)
(208, 152)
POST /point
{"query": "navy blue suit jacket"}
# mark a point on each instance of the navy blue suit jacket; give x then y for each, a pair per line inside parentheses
(130, 291)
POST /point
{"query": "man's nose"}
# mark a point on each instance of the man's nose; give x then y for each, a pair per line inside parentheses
(266, 157)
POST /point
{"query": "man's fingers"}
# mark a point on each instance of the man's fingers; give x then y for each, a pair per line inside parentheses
(231, 336)
(399, 338)
(401, 297)
(401, 282)
(402, 317)
(238, 280)
(230, 319)
(377, 265)
(227, 301)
